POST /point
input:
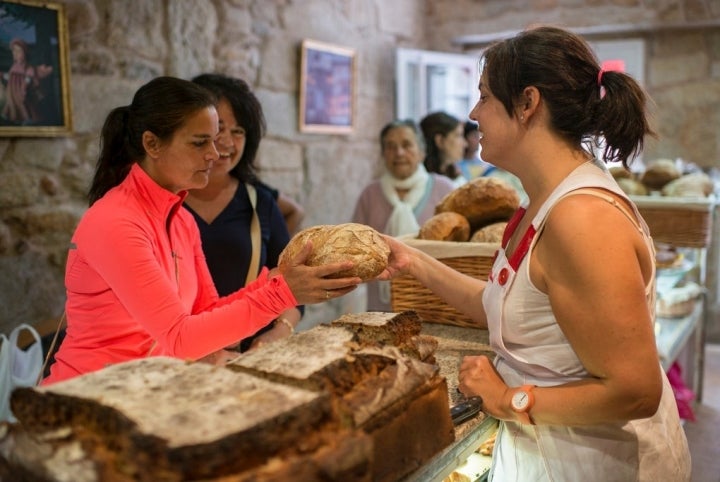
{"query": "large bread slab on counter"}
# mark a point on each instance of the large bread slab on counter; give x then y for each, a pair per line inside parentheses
(161, 419)
(399, 400)
(347, 401)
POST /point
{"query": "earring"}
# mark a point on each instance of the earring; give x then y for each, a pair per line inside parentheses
(522, 117)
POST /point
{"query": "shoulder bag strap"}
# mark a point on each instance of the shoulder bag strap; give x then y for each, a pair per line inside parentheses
(51, 349)
(254, 236)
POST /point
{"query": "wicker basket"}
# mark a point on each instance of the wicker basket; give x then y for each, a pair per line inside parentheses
(473, 259)
(678, 221)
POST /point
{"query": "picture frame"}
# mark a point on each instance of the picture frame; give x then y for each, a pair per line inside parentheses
(34, 69)
(327, 88)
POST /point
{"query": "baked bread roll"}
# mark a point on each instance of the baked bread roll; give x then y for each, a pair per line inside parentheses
(631, 186)
(697, 184)
(354, 242)
(658, 173)
(446, 226)
(679, 301)
(482, 201)
(492, 233)
(667, 256)
(619, 172)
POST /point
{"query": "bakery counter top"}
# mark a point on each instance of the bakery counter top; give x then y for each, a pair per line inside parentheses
(454, 343)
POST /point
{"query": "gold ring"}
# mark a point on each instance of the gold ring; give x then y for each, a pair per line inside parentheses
(327, 295)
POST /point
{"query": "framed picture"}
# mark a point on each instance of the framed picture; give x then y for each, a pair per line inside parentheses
(34, 69)
(327, 88)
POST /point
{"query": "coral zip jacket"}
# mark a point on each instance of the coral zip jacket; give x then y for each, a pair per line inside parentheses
(138, 285)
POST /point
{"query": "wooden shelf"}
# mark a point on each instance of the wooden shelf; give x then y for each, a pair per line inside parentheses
(470, 42)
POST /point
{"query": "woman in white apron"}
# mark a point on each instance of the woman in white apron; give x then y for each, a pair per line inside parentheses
(569, 303)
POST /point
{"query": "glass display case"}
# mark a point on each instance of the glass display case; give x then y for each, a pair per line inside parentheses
(684, 224)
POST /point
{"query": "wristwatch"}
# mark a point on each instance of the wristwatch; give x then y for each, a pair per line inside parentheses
(522, 401)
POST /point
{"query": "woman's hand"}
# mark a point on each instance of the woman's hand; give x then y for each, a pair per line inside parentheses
(399, 260)
(278, 332)
(283, 327)
(310, 284)
(478, 377)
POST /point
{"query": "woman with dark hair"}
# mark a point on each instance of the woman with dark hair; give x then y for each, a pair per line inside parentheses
(570, 300)
(402, 199)
(136, 279)
(234, 199)
(445, 145)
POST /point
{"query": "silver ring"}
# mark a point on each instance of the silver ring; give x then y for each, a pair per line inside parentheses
(327, 294)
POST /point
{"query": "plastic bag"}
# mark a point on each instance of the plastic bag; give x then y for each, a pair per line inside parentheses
(18, 367)
(684, 396)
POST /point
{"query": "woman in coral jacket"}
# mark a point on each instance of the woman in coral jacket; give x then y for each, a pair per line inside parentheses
(136, 278)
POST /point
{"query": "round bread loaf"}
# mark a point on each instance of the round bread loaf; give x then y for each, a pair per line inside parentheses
(482, 200)
(354, 242)
(697, 184)
(658, 173)
(446, 227)
(492, 233)
(619, 172)
(631, 186)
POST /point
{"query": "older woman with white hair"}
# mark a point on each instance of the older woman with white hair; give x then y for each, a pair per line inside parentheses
(402, 199)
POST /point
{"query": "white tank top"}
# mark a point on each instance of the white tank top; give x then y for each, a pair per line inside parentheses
(531, 349)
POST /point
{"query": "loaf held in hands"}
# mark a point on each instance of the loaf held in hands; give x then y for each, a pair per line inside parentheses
(331, 244)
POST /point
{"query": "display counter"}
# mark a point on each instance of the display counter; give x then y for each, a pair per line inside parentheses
(455, 342)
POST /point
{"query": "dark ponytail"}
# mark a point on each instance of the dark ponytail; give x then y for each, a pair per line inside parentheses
(114, 161)
(561, 65)
(620, 117)
(161, 106)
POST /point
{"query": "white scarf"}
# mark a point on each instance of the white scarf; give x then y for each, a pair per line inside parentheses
(402, 220)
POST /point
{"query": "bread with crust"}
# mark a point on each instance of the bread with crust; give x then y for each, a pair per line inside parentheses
(492, 233)
(658, 173)
(447, 226)
(354, 242)
(696, 184)
(482, 201)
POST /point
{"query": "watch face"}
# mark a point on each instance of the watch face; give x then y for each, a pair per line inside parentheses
(520, 400)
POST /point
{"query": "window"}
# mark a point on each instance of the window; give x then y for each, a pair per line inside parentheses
(432, 81)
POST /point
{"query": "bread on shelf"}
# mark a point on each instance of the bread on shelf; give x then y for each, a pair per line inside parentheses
(679, 301)
(658, 173)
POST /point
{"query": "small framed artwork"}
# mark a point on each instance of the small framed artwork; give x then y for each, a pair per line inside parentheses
(34, 69)
(327, 88)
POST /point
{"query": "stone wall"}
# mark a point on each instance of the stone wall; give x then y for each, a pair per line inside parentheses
(117, 45)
